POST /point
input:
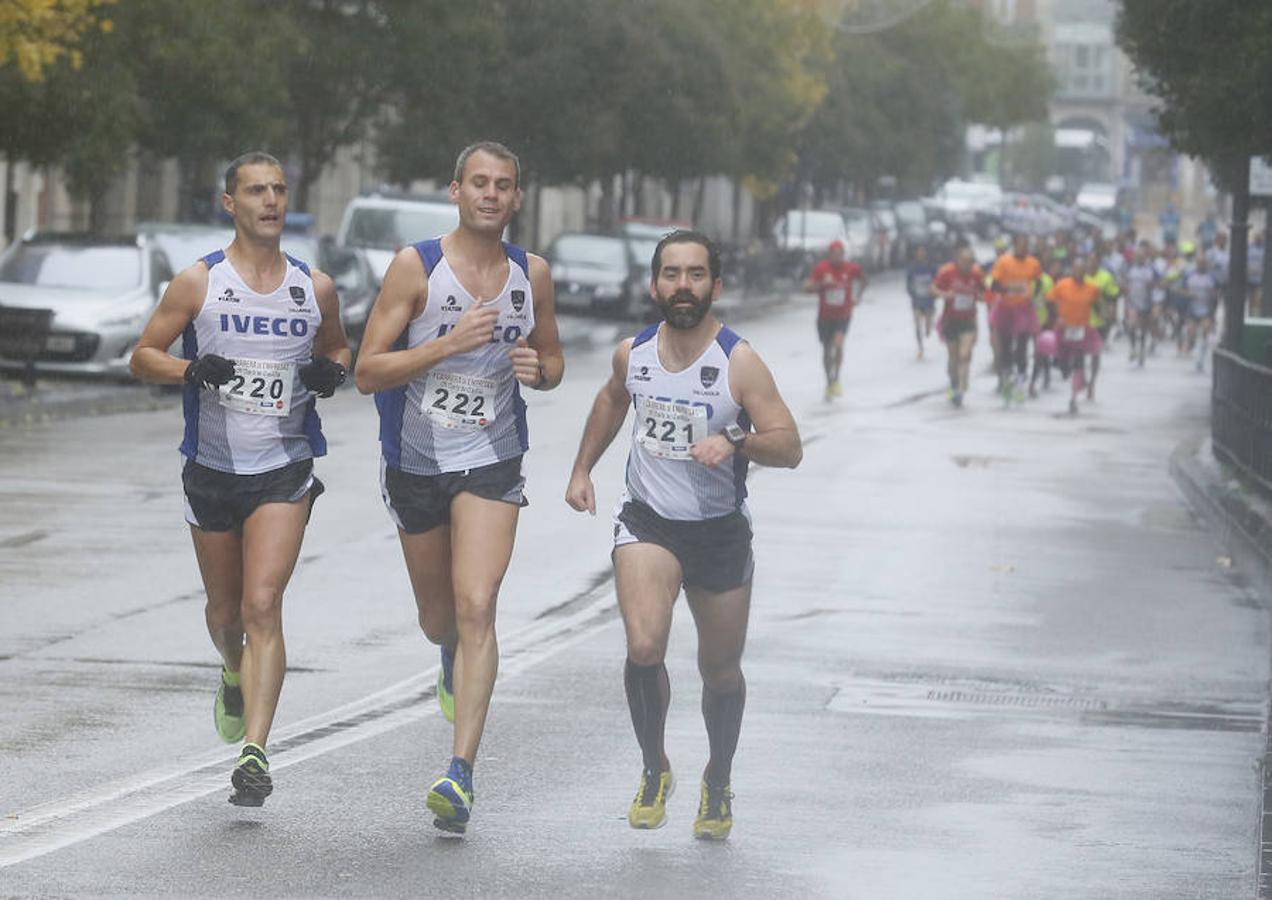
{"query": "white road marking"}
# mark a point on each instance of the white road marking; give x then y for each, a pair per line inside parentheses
(62, 823)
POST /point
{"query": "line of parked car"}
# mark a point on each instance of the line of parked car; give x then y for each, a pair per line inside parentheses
(75, 303)
(886, 232)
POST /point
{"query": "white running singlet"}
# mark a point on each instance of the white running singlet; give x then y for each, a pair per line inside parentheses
(264, 418)
(466, 412)
(673, 410)
(1139, 285)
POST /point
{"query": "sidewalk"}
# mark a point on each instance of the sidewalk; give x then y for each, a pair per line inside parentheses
(1239, 515)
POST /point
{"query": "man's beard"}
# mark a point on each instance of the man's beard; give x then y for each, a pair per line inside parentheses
(680, 316)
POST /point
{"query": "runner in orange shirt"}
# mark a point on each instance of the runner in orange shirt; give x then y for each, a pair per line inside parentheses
(1014, 321)
(1075, 300)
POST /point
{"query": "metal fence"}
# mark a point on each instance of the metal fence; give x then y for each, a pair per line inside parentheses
(1241, 416)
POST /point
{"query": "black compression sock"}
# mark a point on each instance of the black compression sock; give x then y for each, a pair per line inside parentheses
(648, 696)
(723, 715)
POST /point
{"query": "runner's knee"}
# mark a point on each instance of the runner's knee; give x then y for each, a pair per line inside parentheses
(645, 650)
(722, 676)
(262, 610)
(474, 614)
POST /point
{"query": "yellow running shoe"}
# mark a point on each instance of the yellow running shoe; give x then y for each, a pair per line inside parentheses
(446, 685)
(715, 813)
(649, 809)
(836, 389)
(227, 710)
(450, 804)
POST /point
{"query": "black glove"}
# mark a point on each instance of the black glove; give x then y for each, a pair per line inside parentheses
(322, 376)
(209, 371)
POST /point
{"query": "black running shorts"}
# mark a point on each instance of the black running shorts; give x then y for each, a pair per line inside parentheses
(419, 503)
(714, 554)
(951, 328)
(828, 328)
(222, 501)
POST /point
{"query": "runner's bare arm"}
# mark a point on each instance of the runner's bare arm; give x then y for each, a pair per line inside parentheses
(603, 422)
(330, 341)
(151, 362)
(775, 440)
(402, 297)
(543, 367)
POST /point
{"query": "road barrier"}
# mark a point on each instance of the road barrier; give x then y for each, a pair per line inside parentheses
(1241, 417)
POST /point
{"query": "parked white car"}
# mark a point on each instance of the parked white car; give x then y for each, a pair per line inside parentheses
(1097, 197)
(96, 295)
(381, 226)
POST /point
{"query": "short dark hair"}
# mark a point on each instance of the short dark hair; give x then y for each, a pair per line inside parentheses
(684, 236)
(495, 149)
(251, 158)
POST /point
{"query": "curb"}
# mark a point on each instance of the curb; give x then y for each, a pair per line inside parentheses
(1243, 524)
(29, 409)
(1240, 518)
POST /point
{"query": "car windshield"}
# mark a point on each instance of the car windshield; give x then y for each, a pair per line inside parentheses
(301, 248)
(590, 250)
(648, 230)
(380, 228)
(183, 248)
(100, 268)
(813, 223)
(911, 213)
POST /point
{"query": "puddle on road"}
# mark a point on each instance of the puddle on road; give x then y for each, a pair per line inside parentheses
(23, 540)
(944, 697)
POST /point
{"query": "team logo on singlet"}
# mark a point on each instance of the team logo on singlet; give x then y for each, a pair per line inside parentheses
(643, 374)
(709, 374)
(228, 296)
(297, 295)
(451, 304)
(518, 300)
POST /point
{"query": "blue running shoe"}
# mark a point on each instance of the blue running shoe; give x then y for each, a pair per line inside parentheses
(450, 804)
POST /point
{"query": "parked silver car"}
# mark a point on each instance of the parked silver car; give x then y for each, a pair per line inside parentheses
(95, 294)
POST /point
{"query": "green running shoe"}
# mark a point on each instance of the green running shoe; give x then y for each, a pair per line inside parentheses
(227, 710)
(450, 804)
(446, 684)
(250, 778)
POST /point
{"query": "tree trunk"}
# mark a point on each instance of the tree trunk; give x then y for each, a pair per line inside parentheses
(10, 202)
(735, 233)
(536, 209)
(638, 196)
(1239, 230)
(605, 209)
(699, 201)
(673, 186)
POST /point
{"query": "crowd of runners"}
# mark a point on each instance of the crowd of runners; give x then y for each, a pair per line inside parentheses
(1053, 307)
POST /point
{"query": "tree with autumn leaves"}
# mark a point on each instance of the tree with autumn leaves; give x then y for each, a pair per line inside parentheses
(768, 92)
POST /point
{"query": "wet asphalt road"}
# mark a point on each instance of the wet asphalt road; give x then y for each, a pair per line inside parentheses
(992, 654)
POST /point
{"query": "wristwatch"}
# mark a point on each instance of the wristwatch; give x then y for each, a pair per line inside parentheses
(734, 434)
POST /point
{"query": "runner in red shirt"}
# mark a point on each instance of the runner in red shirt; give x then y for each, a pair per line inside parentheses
(838, 284)
(960, 284)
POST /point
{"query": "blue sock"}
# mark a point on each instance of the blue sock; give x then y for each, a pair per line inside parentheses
(462, 773)
(448, 668)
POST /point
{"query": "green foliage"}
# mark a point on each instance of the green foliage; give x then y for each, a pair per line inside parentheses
(763, 90)
(1211, 66)
(899, 99)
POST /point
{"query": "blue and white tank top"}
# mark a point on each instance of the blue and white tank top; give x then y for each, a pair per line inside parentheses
(467, 411)
(674, 410)
(1139, 285)
(264, 418)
